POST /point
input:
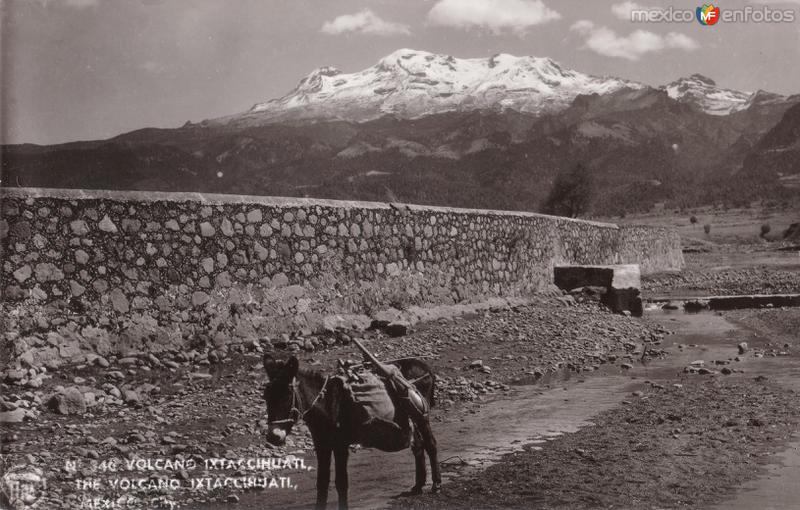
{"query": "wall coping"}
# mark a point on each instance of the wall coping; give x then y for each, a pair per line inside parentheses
(222, 199)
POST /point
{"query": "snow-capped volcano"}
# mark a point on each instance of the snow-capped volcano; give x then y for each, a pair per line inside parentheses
(706, 95)
(410, 84)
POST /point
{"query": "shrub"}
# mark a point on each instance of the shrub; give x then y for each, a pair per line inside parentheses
(571, 194)
(693, 219)
(765, 228)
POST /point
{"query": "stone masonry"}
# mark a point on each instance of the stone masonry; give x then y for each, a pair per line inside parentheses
(200, 260)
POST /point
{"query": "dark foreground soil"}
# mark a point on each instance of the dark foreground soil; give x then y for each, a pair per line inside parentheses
(681, 446)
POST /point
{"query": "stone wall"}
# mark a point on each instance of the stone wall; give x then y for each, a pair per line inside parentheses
(182, 260)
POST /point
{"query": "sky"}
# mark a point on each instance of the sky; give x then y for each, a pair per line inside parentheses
(92, 69)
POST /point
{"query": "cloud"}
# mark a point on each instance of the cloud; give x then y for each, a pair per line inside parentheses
(623, 10)
(606, 42)
(495, 15)
(363, 22)
(76, 4)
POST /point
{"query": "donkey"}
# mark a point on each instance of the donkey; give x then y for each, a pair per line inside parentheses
(333, 419)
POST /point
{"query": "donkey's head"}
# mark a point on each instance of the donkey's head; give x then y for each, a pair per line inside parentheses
(280, 395)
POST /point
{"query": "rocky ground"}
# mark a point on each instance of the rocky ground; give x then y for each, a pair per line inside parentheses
(86, 422)
(679, 446)
(724, 282)
(730, 270)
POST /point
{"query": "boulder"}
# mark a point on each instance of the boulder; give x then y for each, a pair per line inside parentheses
(397, 328)
(12, 375)
(622, 283)
(15, 416)
(131, 396)
(70, 401)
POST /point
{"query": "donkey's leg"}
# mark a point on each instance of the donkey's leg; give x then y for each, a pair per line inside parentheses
(323, 476)
(417, 448)
(341, 454)
(429, 441)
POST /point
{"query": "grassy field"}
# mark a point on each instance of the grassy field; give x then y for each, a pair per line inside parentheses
(732, 226)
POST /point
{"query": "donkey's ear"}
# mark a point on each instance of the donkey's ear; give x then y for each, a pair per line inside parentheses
(292, 365)
(269, 362)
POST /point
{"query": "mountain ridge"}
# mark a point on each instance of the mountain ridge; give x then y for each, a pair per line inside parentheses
(413, 83)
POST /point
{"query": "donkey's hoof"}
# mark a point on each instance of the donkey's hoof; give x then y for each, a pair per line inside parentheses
(436, 487)
(415, 490)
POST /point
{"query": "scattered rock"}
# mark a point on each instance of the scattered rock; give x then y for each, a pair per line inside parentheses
(397, 328)
(70, 401)
(696, 305)
(131, 396)
(14, 375)
(15, 416)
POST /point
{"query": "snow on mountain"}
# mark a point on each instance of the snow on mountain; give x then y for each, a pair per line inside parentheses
(706, 95)
(411, 84)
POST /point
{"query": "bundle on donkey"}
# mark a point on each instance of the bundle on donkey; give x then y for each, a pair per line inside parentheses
(387, 411)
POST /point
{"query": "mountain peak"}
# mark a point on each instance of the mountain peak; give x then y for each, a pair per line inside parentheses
(702, 79)
(325, 71)
(407, 53)
(702, 92)
(412, 83)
